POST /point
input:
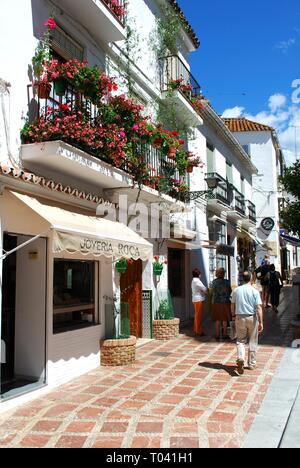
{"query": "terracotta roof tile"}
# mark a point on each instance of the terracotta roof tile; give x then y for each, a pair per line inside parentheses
(246, 125)
(30, 178)
(191, 33)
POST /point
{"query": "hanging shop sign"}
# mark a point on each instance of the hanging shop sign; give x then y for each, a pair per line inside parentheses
(268, 224)
(226, 250)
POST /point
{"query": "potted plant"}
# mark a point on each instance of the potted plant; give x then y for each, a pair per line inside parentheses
(165, 326)
(158, 266)
(122, 265)
(41, 56)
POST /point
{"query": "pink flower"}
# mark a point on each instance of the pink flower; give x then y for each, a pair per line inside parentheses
(122, 134)
(51, 23)
(136, 128)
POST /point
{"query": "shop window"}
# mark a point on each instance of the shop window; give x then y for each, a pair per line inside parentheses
(74, 298)
(176, 265)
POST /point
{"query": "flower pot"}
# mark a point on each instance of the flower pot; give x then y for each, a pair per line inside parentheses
(190, 169)
(172, 153)
(43, 90)
(121, 267)
(158, 269)
(60, 86)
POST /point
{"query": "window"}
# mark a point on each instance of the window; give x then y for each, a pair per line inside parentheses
(210, 152)
(176, 265)
(246, 148)
(243, 187)
(74, 299)
(65, 46)
(229, 172)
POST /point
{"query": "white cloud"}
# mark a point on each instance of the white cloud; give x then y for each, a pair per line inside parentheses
(284, 46)
(277, 101)
(233, 113)
(283, 116)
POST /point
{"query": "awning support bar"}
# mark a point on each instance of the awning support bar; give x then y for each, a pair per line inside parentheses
(6, 254)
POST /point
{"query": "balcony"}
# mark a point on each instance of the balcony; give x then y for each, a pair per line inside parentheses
(250, 220)
(178, 84)
(219, 198)
(238, 209)
(67, 161)
(104, 19)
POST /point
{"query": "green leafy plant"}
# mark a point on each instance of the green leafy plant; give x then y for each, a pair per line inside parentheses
(42, 51)
(165, 311)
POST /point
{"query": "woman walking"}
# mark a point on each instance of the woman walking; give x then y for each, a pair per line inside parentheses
(275, 285)
(221, 303)
(199, 292)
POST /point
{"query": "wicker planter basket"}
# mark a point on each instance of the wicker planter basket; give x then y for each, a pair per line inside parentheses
(118, 352)
(164, 330)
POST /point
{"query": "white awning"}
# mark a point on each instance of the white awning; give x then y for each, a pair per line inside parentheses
(89, 235)
(253, 237)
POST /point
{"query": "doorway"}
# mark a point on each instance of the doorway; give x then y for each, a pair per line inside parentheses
(131, 294)
(23, 316)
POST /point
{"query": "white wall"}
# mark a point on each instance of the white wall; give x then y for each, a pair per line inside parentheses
(265, 187)
(30, 309)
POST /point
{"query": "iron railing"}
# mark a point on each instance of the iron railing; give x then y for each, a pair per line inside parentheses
(251, 211)
(159, 164)
(117, 8)
(173, 69)
(239, 202)
(222, 192)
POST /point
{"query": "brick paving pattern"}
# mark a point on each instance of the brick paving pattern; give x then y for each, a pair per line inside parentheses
(178, 394)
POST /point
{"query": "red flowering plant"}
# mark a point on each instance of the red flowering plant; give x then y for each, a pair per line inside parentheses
(181, 85)
(117, 8)
(89, 81)
(196, 102)
(42, 52)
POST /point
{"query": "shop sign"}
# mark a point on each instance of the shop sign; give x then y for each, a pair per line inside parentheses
(66, 242)
(268, 224)
(226, 250)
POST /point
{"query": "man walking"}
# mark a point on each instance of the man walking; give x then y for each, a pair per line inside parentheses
(247, 312)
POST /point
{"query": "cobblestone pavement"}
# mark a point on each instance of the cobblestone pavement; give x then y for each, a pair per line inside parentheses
(179, 394)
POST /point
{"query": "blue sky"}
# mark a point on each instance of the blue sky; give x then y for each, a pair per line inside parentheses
(250, 52)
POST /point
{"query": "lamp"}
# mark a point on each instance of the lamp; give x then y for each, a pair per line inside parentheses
(212, 181)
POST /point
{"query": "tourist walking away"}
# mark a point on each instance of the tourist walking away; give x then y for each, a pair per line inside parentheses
(262, 274)
(221, 303)
(248, 314)
(275, 285)
(199, 292)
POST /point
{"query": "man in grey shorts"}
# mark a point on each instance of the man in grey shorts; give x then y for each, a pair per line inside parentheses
(248, 314)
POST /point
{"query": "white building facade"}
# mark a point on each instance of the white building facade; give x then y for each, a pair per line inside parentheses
(61, 290)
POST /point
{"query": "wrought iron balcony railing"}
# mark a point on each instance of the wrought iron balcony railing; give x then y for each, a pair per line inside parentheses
(251, 211)
(176, 76)
(223, 191)
(117, 8)
(239, 202)
(160, 166)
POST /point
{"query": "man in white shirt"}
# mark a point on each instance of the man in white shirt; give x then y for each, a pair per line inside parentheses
(248, 313)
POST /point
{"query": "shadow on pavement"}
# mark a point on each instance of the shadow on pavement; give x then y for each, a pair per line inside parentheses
(231, 370)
